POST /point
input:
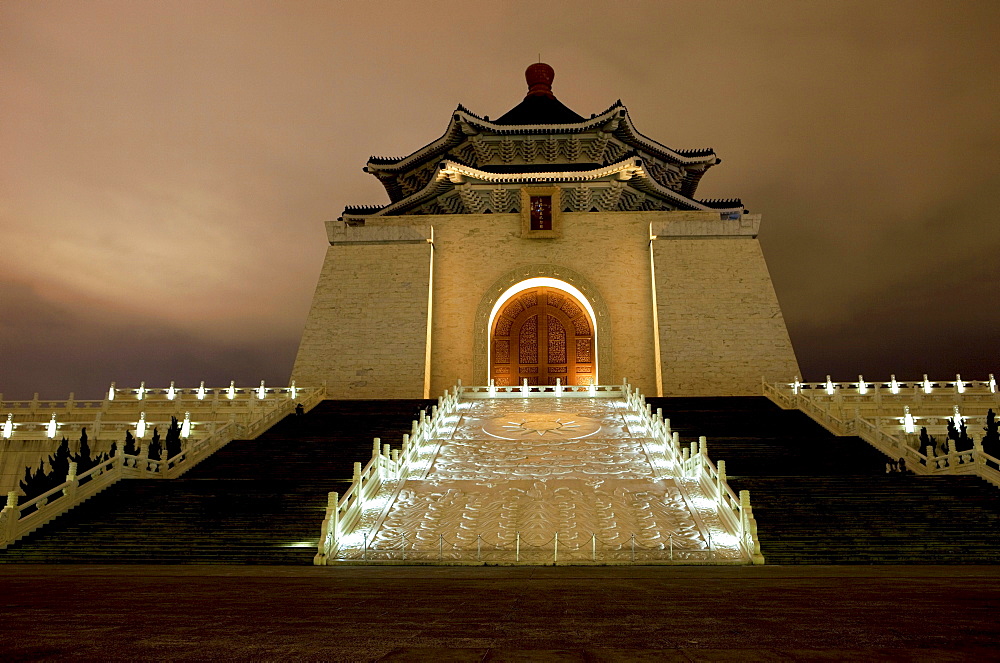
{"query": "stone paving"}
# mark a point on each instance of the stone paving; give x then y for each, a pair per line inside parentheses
(769, 613)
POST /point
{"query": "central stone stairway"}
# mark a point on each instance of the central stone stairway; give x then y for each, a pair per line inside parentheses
(252, 502)
(540, 479)
(823, 499)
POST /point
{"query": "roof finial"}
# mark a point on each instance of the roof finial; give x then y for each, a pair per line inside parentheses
(539, 77)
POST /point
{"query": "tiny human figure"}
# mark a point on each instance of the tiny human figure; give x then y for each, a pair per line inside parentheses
(902, 466)
(889, 469)
(299, 410)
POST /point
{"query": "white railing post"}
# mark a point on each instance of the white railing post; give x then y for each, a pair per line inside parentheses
(70, 490)
(8, 518)
(720, 485)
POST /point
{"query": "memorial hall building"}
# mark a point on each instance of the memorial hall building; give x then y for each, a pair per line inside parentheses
(544, 246)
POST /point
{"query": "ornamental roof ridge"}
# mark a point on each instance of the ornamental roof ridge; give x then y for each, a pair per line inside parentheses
(451, 172)
(454, 134)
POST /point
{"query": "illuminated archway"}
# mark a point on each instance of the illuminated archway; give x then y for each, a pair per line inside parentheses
(542, 331)
(561, 278)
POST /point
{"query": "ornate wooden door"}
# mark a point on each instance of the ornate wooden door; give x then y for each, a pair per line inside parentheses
(542, 334)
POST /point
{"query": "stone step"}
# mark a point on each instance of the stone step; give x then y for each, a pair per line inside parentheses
(246, 504)
(820, 499)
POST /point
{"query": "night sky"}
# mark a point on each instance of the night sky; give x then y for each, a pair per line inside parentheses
(166, 167)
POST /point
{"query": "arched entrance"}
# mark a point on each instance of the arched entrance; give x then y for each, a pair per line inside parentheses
(541, 334)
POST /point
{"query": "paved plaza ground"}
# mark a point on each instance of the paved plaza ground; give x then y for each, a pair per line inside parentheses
(441, 613)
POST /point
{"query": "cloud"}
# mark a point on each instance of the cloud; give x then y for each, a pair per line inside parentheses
(56, 349)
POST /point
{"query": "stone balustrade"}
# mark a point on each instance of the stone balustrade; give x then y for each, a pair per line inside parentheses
(30, 430)
(18, 520)
(889, 415)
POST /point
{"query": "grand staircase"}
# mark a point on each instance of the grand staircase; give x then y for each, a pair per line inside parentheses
(253, 502)
(822, 499)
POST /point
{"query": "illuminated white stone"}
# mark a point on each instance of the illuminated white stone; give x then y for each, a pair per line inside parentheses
(908, 425)
(796, 386)
(186, 426)
(893, 385)
(201, 391)
(293, 391)
(959, 385)
(515, 474)
(829, 386)
(956, 418)
(993, 384)
(558, 386)
(231, 392)
(927, 385)
(142, 390)
(140, 426)
(171, 392)
(111, 392)
(862, 386)
(51, 429)
(261, 392)
(8, 426)
(493, 388)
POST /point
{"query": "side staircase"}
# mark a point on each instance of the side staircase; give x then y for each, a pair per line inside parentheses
(252, 502)
(823, 499)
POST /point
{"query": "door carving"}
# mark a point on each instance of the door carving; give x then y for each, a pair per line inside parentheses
(542, 334)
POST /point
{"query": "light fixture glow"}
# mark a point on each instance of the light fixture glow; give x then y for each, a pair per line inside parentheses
(862, 387)
(993, 384)
(957, 418)
(201, 391)
(8, 426)
(927, 385)
(231, 392)
(893, 385)
(908, 420)
(142, 390)
(140, 426)
(51, 430)
(261, 392)
(829, 386)
(293, 391)
(171, 392)
(796, 386)
(111, 392)
(186, 426)
(959, 384)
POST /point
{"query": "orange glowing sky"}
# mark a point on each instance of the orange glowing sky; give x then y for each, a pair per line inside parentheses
(167, 166)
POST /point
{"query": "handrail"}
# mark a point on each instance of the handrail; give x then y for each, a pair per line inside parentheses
(735, 512)
(890, 438)
(344, 512)
(17, 521)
